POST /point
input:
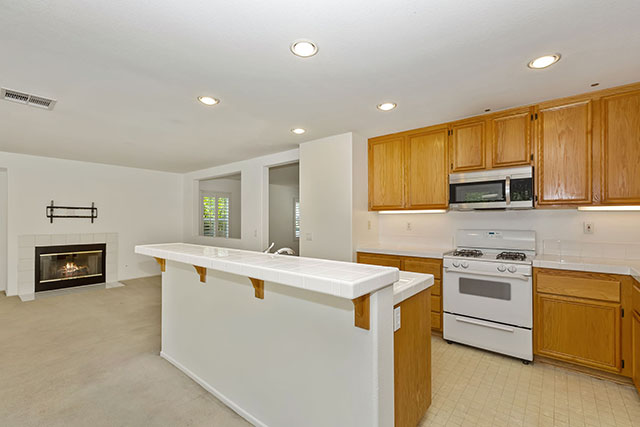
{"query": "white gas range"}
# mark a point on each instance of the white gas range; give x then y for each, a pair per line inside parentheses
(487, 291)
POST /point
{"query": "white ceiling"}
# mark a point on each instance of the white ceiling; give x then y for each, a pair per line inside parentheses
(126, 73)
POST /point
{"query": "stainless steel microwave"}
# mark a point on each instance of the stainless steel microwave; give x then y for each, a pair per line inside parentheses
(510, 188)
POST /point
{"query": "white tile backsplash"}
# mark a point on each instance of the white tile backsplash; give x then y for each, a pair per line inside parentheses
(608, 250)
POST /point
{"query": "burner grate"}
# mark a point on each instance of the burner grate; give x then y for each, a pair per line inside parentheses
(512, 256)
(471, 253)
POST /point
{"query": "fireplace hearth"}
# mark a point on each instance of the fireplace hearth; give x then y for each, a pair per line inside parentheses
(66, 266)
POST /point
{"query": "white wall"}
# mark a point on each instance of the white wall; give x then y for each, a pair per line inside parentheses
(333, 196)
(255, 201)
(282, 216)
(563, 224)
(142, 206)
(3, 229)
(234, 188)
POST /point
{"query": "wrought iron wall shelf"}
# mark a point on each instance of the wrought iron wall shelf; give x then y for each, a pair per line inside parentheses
(92, 214)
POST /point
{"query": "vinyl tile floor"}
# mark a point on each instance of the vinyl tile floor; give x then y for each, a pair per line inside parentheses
(91, 359)
(471, 387)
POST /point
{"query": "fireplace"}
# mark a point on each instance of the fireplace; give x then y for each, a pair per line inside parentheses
(67, 266)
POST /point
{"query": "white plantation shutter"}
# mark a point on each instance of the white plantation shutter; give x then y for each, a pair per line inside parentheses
(296, 218)
(215, 214)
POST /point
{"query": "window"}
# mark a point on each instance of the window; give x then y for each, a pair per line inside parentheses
(296, 218)
(215, 214)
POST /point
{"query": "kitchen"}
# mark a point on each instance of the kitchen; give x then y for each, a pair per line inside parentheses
(409, 214)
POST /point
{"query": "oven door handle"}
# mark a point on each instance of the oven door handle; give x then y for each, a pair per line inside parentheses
(484, 273)
(486, 325)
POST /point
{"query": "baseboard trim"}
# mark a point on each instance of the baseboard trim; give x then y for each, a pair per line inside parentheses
(592, 372)
(224, 399)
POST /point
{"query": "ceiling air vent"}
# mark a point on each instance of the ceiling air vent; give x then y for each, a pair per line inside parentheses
(27, 99)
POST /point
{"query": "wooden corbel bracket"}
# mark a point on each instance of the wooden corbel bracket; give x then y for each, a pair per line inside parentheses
(258, 286)
(361, 312)
(202, 271)
(163, 264)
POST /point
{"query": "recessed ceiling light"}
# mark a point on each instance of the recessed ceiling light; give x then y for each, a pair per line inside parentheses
(544, 61)
(386, 106)
(298, 131)
(207, 100)
(304, 48)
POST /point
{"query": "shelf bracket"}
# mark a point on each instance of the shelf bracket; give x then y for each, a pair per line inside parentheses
(202, 271)
(361, 312)
(258, 286)
(163, 264)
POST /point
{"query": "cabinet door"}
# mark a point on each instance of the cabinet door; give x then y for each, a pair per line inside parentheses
(511, 139)
(427, 169)
(468, 146)
(564, 154)
(382, 260)
(386, 173)
(636, 349)
(579, 331)
(621, 148)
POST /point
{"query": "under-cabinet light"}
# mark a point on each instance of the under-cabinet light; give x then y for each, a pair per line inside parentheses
(426, 211)
(609, 208)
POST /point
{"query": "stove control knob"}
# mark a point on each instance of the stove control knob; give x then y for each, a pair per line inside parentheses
(456, 264)
(465, 264)
(512, 269)
(502, 268)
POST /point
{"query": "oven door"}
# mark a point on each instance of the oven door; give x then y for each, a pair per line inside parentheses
(502, 298)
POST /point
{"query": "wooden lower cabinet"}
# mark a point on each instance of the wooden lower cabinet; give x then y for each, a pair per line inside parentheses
(636, 349)
(635, 341)
(578, 318)
(412, 360)
(414, 265)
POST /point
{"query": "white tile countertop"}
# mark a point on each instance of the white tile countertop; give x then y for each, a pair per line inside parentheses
(341, 279)
(412, 250)
(595, 265)
(410, 284)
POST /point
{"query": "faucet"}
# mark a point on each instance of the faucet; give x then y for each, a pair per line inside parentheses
(285, 251)
(266, 251)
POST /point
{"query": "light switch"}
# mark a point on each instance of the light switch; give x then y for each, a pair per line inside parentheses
(309, 237)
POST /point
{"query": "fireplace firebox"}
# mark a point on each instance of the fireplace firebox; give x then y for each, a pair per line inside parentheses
(67, 266)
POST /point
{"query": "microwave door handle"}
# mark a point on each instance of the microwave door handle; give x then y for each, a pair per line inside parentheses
(484, 273)
(507, 190)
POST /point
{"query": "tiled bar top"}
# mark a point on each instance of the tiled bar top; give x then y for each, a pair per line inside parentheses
(595, 265)
(341, 279)
(411, 250)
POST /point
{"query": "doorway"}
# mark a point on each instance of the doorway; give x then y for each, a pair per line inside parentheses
(284, 206)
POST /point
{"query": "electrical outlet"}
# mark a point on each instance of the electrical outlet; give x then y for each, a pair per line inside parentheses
(309, 237)
(409, 226)
(369, 225)
(587, 227)
(396, 318)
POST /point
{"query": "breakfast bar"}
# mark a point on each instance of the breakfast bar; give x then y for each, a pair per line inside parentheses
(284, 341)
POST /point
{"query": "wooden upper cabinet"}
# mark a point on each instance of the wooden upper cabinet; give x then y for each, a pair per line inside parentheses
(468, 146)
(387, 172)
(511, 138)
(427, 184)
(564, 153)
(620, 148)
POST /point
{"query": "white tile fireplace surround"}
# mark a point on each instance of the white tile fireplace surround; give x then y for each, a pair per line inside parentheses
(26, 256)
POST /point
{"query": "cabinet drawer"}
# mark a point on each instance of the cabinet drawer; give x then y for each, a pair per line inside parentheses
(636, 296)
(436, 289)
(581, 285)
(424, 265)
(436, 320)
(382, 260)
(435, 303)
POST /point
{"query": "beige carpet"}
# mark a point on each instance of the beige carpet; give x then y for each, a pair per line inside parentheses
(91, 359)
